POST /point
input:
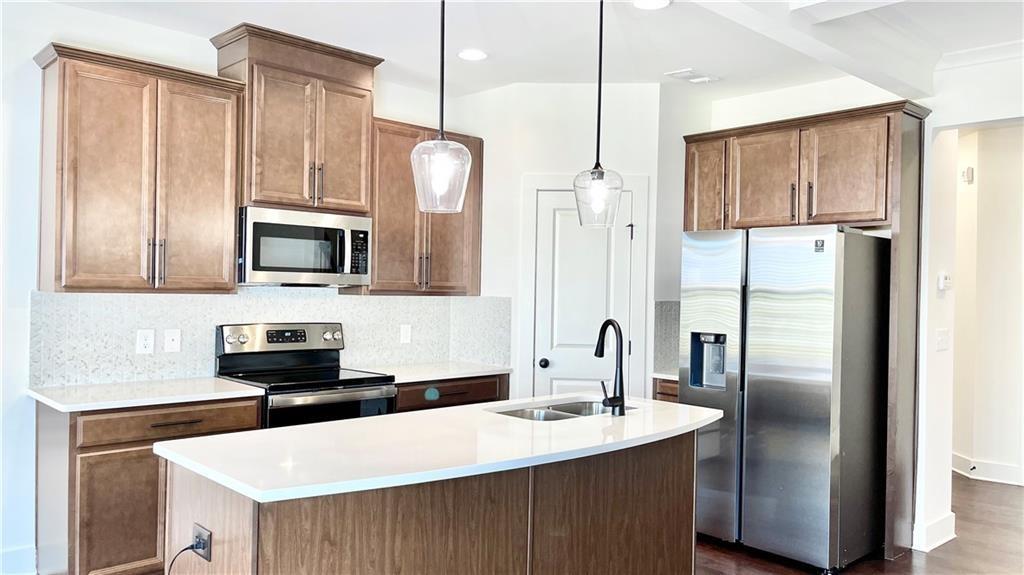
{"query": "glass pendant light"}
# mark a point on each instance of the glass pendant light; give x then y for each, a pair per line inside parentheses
(597, 189)
(440, 167)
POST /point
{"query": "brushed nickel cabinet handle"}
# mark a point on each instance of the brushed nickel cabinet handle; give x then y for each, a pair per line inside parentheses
(428, 270)
(420, 280)
(162, 277)
(792, 202)
(312, 183)
(320, 174)
(810, 200)
(151, 263)
(174, 423)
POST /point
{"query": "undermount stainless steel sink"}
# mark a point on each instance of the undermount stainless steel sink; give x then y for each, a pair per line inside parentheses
(537, 414)
(570, 410)
(582, 408)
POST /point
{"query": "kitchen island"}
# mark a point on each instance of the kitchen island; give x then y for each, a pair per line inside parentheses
(464, 489)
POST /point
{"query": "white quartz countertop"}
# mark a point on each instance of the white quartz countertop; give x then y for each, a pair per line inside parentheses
(140, 393)
(435, 371)
(416, 447)
(666, 375)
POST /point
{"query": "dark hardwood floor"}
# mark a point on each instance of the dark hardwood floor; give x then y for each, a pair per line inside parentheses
(989, 540)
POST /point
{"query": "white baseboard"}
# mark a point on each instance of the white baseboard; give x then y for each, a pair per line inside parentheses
(931, 535)
(18, 561)
(988, 470)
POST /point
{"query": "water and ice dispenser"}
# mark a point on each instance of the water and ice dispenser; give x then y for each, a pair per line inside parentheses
(707, 360)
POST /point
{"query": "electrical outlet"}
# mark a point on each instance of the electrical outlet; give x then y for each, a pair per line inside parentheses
(942, 339)
(405, 333)
(172, 340)
(144, 340)
(202, 541)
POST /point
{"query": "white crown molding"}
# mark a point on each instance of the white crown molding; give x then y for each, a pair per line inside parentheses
(982, 55)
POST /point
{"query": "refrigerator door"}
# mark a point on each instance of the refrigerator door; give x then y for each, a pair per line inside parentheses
(710, 340)
(788, 450)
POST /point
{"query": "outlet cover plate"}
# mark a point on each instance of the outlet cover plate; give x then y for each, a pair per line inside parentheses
(172, 340)
(200, 533)
(405, 333)
(144, 340)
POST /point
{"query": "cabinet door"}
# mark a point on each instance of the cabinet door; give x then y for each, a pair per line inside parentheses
(196, 187)
(449, 392)
(119, 512)
(283, 136)
(344, 116)
(843, 171)
(107, 208)
(705, 186)
(763, 172)
(453, 240)
(398, 227)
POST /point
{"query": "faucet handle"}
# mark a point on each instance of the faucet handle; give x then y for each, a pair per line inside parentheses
(607, 402)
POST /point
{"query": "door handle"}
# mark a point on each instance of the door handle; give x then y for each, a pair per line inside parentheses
(312, 183)
(543, 363)
(320, 176)
(810, 200)
(792, 202)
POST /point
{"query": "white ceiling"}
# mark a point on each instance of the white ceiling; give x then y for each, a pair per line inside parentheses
(526, 41)
(955, 26)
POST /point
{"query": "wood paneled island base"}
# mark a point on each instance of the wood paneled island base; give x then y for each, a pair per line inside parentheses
(626, 511)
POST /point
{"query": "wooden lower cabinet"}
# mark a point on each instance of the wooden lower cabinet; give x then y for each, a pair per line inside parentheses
(414, 252)
(100, 490)
(666, 390)
(449, 392)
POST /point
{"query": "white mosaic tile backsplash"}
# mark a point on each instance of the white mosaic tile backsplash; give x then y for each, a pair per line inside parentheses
(90, 338)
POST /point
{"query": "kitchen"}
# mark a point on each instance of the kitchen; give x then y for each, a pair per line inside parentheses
(474, 265)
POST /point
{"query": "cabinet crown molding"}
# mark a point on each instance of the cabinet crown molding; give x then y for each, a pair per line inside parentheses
(245, 29)
(906, 106)
(51, 52)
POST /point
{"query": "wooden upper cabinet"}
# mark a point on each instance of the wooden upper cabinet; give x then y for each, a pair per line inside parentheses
(763, 176)
(453, 240)
(704, 199)
(283, 136)
(106, 210)
(311, 105)
(196, 186)
(119, 510)
(344, 117)
(139, 175)
(843, 171)
(398, 237)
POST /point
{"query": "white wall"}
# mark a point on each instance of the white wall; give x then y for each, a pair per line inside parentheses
(548, 129)
(965, 324)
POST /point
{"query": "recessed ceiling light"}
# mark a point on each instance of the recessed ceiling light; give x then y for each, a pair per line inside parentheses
(651, 4)
(473, 54)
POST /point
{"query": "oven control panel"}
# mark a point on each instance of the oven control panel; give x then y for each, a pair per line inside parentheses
(286, 336)
(266, 337)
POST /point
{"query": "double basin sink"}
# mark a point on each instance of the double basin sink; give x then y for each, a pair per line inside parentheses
(559, 411)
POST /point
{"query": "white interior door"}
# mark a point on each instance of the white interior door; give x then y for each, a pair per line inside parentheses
(583, 277)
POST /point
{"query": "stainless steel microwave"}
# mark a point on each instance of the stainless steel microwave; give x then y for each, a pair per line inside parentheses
(293, 247)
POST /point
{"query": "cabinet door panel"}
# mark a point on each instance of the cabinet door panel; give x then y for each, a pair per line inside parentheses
(344, 116)
(705, 186)
(843, 168)
(763, 178)
(196, 187)
(119, 506)
(283, 136)
(398, 226)
(107, 208)
(453, 241)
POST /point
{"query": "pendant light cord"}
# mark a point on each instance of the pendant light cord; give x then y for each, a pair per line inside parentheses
(600, 74)
(440, 113)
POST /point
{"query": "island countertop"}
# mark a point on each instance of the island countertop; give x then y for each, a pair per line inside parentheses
(352, 455)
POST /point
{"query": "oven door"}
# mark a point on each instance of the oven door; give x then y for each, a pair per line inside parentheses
(311, 407)
(303, 248)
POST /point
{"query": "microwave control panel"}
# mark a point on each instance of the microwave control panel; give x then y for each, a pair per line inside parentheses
(360, 257)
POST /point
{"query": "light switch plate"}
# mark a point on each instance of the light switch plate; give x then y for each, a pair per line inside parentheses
(942, 339)
(405, 333)
(144, 340)
(172, 340)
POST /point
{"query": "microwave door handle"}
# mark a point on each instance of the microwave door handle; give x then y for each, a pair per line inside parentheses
(345, 255)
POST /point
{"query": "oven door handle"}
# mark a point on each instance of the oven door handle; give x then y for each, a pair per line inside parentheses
(332, 396)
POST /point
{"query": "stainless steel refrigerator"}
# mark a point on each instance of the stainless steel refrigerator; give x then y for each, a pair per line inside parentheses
(785, 330)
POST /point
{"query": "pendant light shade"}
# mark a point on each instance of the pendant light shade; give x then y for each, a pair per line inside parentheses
(597, 189)
(440, 167)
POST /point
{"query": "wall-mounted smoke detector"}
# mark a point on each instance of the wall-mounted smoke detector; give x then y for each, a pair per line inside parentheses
(691, 75)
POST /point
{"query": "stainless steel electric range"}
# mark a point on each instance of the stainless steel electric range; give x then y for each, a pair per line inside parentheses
(298, 364)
